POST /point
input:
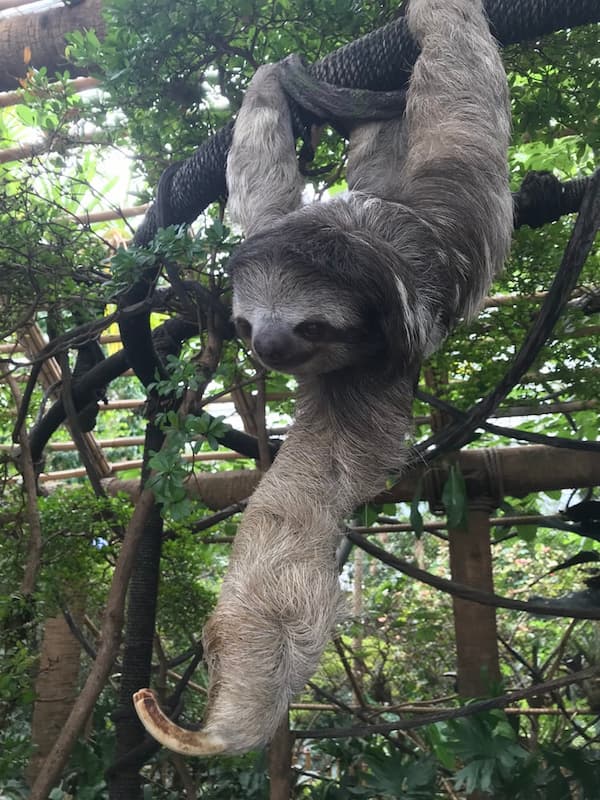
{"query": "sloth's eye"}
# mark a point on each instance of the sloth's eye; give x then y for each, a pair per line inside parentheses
(312, 330)
(243, 328)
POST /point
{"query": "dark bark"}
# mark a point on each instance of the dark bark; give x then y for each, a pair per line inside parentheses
(125, 783)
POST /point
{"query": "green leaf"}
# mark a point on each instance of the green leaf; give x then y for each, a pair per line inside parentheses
(527, 532)
(27, 115)
(553, 494)
(416, 518)
(369, 513)
(454, 498)
(439, 745)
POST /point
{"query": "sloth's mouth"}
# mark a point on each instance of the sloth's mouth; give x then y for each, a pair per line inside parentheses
(286, 363)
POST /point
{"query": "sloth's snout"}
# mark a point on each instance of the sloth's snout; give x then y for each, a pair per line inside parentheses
(276, 345)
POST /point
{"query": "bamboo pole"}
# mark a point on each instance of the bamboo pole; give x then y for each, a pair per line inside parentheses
(520, 470)
(16, 98)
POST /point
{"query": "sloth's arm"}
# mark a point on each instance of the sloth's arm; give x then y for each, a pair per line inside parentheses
(457, 131)
(263, 179)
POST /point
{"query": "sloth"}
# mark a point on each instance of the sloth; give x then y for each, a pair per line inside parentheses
(349, 296)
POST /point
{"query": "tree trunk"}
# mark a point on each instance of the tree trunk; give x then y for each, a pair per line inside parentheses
(56, 687)
(477, 658)
(37, 39)
(105, 657)
(280, 763)
(124, 778)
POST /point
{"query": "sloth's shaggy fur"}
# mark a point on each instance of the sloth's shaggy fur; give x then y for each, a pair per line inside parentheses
(349, 295)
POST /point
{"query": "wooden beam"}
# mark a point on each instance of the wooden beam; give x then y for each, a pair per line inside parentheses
(135, 464)
(520, 470)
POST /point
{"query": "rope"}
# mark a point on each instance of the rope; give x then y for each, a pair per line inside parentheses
(542, 198)
(381, 61)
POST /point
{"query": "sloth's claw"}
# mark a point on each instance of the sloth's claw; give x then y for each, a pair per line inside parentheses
(165, 731)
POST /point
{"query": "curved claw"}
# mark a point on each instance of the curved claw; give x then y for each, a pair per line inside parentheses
(165, 731)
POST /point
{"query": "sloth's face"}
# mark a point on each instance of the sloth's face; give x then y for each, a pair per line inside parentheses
(297, 321)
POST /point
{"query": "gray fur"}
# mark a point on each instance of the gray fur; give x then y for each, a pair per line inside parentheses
(262, 156)
(385, 271)
(428, 197)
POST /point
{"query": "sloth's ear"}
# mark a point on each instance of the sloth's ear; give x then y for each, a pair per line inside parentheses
(370, 269)
(403, 354)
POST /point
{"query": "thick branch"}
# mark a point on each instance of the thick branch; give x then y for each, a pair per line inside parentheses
(42, 33)
(34, 547)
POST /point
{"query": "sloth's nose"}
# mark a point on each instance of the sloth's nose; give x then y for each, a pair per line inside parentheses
(274, 343)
